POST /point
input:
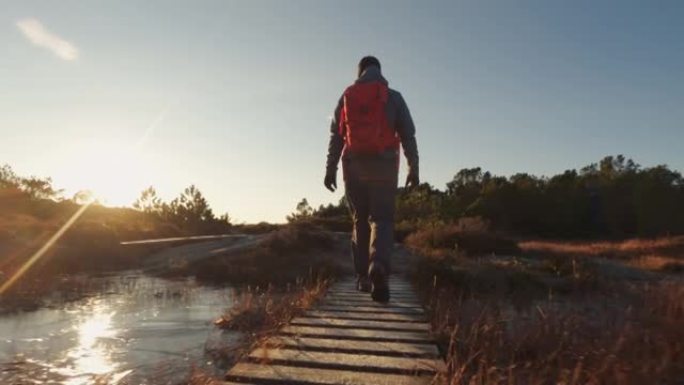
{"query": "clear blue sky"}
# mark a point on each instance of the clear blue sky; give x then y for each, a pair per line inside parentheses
(236, 97)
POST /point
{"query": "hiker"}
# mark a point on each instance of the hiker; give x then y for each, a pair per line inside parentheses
(370, 122)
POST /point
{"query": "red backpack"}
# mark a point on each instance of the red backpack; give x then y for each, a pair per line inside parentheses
(363, 120)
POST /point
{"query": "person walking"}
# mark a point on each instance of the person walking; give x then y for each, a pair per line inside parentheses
(370, 123)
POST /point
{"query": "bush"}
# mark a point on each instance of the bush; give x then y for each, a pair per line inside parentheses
(297, 236)
(441, 239)
(258, 228)
(508, 336)
(295, 251)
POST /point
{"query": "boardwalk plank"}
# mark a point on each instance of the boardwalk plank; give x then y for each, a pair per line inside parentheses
(370, 302)
(360, 346)
(229, 383)
(367, 297)
(349, 361)
(352, 286)
(365, 316)
(371, 309)
(348, 339)
(357, 333)
(360, 295)
(288, 374)
(406, 295)
(378, 324)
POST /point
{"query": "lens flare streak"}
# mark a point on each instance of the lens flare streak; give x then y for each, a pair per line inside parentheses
(35, 257)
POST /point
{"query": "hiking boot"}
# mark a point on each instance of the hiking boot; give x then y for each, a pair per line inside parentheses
(380, 291)
(363, 284)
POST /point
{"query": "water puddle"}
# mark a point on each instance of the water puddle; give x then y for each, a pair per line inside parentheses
(136, 329)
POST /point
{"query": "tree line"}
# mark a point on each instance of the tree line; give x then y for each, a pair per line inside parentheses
(31, 187)
(190, 212)
(614, 198)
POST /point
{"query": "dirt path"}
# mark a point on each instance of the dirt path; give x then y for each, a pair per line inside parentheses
(194, 252)
(187, 254)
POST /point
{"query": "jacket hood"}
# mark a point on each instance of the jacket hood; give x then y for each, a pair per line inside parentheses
(371, 74)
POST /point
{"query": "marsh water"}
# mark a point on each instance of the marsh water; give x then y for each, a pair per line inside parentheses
(132, 329)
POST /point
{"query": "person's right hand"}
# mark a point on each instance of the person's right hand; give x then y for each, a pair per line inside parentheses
(330, 181)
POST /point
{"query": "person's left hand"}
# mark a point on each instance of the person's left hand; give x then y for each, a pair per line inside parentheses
(412, 179)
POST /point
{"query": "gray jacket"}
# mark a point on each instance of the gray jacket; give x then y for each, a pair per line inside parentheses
(398, 117)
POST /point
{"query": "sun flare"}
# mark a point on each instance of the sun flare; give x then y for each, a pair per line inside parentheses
(113, 173)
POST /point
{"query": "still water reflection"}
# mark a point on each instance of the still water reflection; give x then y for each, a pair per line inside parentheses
(136, 329)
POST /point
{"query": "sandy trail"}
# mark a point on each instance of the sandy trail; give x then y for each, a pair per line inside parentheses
(194, 252)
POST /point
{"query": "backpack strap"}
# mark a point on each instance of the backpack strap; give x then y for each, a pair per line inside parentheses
(382, 97)
(343, 114)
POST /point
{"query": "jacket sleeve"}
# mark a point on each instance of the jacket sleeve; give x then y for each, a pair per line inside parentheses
(407, 134)
(336, 143)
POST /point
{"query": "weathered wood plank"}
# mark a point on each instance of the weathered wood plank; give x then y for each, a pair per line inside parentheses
(365, 316)
(352, 285)
(399, 292)
(367, 296)
(352, 280)
(350, 361)
(349, 339)
(377, 324)
(235, 383)
(392, 277)
(370, 302)
(371, 309)
(356, 346)
(390, 304)
(394, 290)
(413, 336)
(356, 294)
(249, 371)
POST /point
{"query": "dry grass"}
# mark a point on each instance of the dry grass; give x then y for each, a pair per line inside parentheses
(199, 377)
(445, 239)
(283, 256)
(657, 263)
(559, 315)
(269, 302)
(258, 313)
(90, 245)
(635, 339)
(265, 310)
(619, 249)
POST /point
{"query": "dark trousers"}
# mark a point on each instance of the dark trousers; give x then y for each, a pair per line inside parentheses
(371, 203)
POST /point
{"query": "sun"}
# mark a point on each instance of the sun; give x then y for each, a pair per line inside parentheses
(114, 173)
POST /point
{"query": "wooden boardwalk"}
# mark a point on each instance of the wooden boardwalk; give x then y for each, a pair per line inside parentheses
(348, 339)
